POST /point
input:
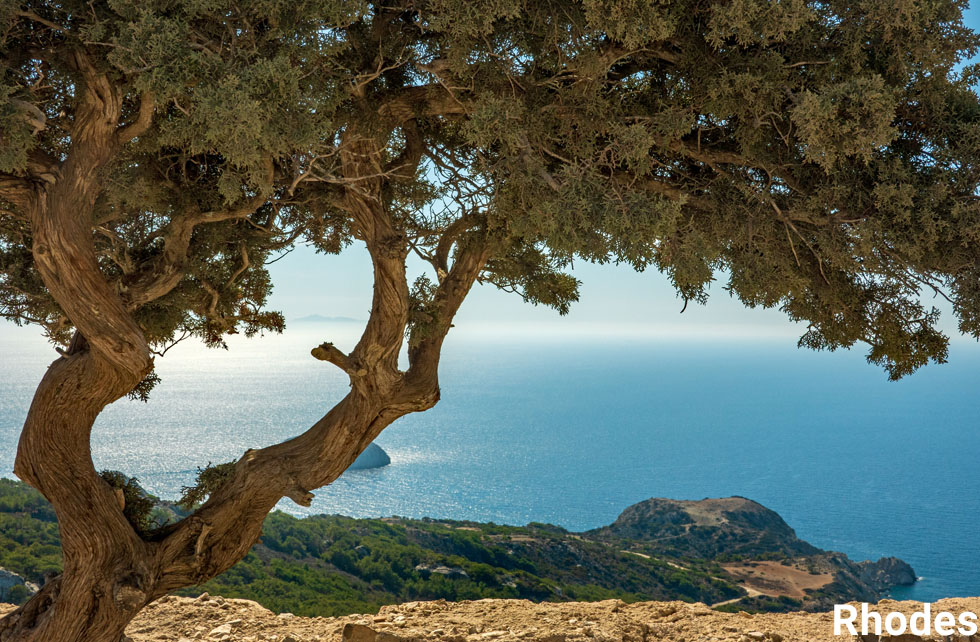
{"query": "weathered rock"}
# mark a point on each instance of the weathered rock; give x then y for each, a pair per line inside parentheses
(190, 620)
(372, 457)
(887, 572)
(9, 580)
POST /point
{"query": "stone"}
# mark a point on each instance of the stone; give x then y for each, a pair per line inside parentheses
(218, 631)
(9, 580)
(358, 633)
(372, 457)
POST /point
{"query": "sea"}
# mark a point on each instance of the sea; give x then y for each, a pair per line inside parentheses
(570, 430)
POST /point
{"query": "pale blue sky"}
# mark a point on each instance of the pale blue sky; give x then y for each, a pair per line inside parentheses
(614, 299)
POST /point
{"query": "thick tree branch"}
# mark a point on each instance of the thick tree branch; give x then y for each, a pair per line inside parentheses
(407, 103)
(233, 515)
(63, 248)
(17, 191)
(159, 277)
(422, 377)
(449, 236)
(381, 341)
(332, 354)
(405, 164)
(53, 453)
(162, 275)
(22, 188)
(142, 122)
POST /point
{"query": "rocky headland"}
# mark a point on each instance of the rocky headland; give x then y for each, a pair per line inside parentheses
(757, 549)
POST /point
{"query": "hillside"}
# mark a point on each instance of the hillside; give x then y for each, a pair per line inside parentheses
(709, 528)
(732, 553)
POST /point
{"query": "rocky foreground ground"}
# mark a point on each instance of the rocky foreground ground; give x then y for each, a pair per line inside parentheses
(216, 619)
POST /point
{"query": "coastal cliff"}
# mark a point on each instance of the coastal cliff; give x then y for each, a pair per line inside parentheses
(756, 547)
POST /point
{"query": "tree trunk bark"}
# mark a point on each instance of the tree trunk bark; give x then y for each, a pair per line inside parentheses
(106, 578)
(110, 571)
(106, 571)
(83, 605)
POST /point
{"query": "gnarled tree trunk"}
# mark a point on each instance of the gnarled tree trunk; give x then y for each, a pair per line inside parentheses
(106, 575)
(110, 571)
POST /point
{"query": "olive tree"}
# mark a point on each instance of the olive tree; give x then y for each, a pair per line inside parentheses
(823, 156)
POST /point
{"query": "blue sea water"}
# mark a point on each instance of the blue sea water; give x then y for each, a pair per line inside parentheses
(572, 429)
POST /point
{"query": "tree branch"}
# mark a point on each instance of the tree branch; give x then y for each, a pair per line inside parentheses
(422, 377)
(406, 163)
(159, 277)
(407, 103)
(141, 123)
(18, 191)
(30, 15)
(330, 353)
(449, 236)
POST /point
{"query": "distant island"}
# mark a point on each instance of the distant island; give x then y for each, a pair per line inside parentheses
(319, 318)
(732, 554)
(373, 456)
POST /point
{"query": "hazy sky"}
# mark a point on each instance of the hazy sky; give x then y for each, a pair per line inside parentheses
(613, 298)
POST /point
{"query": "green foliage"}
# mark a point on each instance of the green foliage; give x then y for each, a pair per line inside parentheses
(142, 390)
(422, 313)
(758, 22)
(298, 562)
(333, 565)
(16, 121)
(18, 594)
(824, 156)
(139, 504)
(29, 541)
(209, 479)
(762, 604)
(633, 22)
(862, 109)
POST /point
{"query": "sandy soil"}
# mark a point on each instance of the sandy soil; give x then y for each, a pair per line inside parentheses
(775, 579)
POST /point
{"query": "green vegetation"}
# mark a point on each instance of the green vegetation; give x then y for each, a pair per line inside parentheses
(329, 565)
(208, 480)
(29, 544)
(762, 604)
(332, 565)
(138, 504)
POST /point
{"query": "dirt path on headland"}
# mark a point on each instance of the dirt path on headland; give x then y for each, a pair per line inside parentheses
(775, 579)
(214, 619)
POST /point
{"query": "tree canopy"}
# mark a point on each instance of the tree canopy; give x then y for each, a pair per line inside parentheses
(822, 154)
(155, 156)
